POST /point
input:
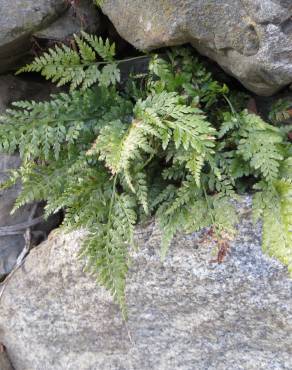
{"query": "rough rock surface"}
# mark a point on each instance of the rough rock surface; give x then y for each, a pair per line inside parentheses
(5, 363)
(185, 313)
(12, 89)
(19, 19)
(250, 39)
(10, 246)
(83, 15)
(17, 88)
(47, 19)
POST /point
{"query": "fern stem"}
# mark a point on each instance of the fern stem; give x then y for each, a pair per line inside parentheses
(118, 61)
(230, 105)
(131, 59)
(148, 161)
(128, 220)
(111, 205)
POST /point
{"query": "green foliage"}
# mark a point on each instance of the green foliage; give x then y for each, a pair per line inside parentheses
(274, 205)
(98, 2)
(78, 66)
(280, 111)
(179, 149)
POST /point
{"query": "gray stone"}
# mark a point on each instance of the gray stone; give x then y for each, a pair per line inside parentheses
(10, 246)
(18, 88)
(12, 89)
(250, 39)
(184, 313)
(83, 15)
(5, 363)
(47, 19)
(19, 19)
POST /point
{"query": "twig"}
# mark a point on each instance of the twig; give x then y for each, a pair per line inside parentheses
(24, 252)
(18, 228)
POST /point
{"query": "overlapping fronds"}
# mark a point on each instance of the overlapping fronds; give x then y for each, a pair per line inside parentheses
(180, 152)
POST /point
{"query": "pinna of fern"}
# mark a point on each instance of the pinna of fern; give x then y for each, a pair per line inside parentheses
(178, 151)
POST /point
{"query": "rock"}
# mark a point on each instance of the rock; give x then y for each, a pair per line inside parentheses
(185, 313)
(11, 89)
(10, 246)
(18, 88)
(249, 39)
(46, 19)
(83, 15)
(19, 19)
(5, 363)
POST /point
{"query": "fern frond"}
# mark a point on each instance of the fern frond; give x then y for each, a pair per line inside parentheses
(260, 145)
(286, 168)
(284, 188)
(41, 130)
(107, 254)
(119, 144)
(187, 126)
(224, 214)
(280, 111)
(260, 148)
(140, 185)
(99, 2)
(167, 194)
(109, 75)
(230, 122)
(103, 48)
(107, 145)
(79, 67)
(176, 172)
(274, 205)
(106, 248)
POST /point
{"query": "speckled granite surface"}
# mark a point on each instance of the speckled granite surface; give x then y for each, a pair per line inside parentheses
(185, 313)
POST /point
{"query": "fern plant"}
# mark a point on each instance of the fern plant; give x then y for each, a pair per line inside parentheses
(179, 148)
